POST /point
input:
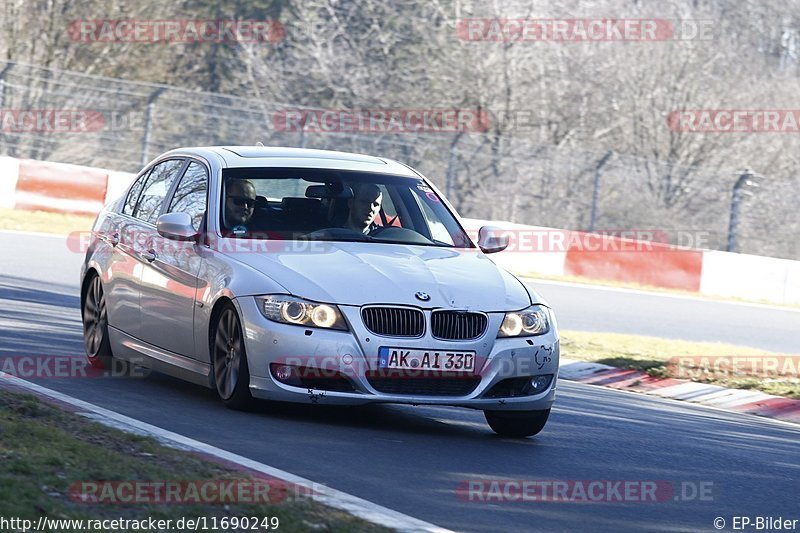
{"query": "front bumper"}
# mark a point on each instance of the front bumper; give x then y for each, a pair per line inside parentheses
(354, 353)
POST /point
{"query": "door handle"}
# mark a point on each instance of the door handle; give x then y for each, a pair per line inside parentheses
(150, 255)
(115, 239)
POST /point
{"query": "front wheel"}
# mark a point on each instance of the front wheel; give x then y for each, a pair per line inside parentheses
(231, 373)
(517, 423)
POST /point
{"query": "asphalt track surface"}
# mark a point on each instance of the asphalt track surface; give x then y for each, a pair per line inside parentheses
(412, 459)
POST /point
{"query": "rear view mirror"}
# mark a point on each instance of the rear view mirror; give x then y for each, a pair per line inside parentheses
(329, 190)
(492, 239)
(176, 226)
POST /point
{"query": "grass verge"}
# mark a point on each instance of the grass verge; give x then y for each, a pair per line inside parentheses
(41, 221)
(726, 365)
(45, 451)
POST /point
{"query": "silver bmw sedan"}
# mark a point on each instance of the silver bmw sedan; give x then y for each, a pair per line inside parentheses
(315, 277)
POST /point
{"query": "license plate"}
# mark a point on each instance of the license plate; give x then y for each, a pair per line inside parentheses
(413, 359)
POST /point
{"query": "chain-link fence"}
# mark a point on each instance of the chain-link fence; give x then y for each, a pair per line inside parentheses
(112, 123)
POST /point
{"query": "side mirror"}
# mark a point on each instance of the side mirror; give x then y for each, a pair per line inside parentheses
(176, 226)
(492, 239)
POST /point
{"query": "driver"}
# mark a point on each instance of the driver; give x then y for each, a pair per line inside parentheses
(364, 207)
(240, 200)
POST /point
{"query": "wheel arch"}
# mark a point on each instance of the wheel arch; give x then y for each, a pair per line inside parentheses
(221, 303)
(90, 274)
(217, 307)
(241, 397)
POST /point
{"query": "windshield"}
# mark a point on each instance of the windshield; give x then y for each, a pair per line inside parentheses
(335, 205)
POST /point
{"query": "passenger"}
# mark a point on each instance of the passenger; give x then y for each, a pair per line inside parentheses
(364, 207)
(240, 200)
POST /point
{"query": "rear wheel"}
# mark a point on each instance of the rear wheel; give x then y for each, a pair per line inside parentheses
(95, 325)
(231, 373)
(517, 423)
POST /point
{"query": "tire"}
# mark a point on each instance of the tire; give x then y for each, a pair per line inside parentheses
(231, 372)
(95, 325)
(517, 423)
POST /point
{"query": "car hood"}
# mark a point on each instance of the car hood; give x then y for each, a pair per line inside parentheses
(359, 273)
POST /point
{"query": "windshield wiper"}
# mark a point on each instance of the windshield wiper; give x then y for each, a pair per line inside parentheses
(407, 243)
(331, 238)
(368, 238)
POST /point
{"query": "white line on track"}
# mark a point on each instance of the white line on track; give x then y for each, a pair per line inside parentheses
(659, 294)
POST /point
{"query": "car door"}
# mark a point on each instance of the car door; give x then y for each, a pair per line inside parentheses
(169, 279)
(124, 269)
(138, 232)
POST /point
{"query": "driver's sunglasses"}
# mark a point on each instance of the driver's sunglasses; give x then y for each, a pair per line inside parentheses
(243, 201)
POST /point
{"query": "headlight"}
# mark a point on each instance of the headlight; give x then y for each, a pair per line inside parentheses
(289, 310)
(534, 320)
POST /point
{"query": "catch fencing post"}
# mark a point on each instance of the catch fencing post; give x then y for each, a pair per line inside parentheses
(3, 73)
(148, 122)
(598, 172)
(747, 179)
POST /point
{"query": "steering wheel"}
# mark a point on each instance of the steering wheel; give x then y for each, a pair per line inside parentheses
(333, 233)
(377, 231)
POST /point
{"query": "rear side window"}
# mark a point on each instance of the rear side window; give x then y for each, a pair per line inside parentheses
(133, 194)
(155, 190)
(190, 196)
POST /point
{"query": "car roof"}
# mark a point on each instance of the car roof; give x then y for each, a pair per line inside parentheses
(269, 156)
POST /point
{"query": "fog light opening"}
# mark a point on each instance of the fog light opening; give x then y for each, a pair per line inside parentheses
(286, 374)
(283, 372)
(540, 383)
